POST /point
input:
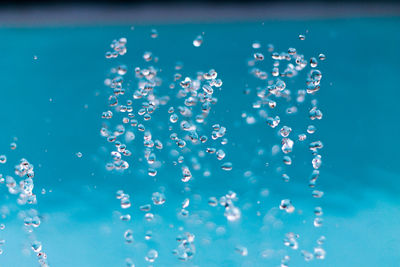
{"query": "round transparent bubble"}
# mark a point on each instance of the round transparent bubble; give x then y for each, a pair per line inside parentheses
(232, 213)
(308, 256)
(151, 255)
(319, 253)
(158, 198)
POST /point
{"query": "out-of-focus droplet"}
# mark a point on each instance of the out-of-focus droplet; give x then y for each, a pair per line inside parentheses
(286, 205)
(151, 255)
(198, 41)
(128, 235)
(227, 166)
(319, 253)
(154, 33)
(241, 250)
(158, 198)
(308, 256)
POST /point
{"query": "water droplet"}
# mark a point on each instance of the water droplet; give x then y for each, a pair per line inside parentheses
(285, 177)
(316, 162)
(125, 217)
(154, 33)
(287, 145)
(13, 146)
(148, 235)
(286, 205)
(151, 255)
(241, 250)
(198, 41)
(158, 198)
(258, 56)
(185, 203)
(291, 241)
(317, 193)
(307, 255)
(186, 249)
(128, 235)
(321, 240)
(285, 131)
(319, 253)
(213, 201)
(273, 122)
(146, 207)
(36, 246)
(318, 211)
(292, 51)
(232, 213)
(315, 113)
(129, 262)
(125, 202)
(287, 160)
(285, 261)
(227, 166)
(311, 129)
(302, 137)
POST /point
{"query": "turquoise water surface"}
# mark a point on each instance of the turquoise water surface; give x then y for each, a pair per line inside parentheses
(53, 96)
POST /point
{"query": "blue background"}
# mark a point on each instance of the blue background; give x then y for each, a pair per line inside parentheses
(360, 173)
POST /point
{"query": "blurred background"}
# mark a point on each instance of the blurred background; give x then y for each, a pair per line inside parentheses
(53, 93)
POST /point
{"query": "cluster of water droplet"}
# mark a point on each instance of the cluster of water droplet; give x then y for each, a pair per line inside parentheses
(118, 48)
(132, 106)
(186, 248)
(285, 66)
(232, 213)
(23, 188)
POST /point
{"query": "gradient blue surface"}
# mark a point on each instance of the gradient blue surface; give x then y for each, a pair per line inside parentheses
(43, 101)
